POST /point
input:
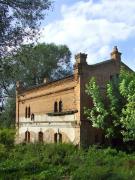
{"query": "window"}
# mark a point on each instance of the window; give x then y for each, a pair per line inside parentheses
(60, 106)
(32, 117)
(27, 136)
(55, 107)
(40, 136)
(58, 138)
(28, 112)
(55, 137)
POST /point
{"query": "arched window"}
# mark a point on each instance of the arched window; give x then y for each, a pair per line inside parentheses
(27, 136)
(60, 106)
(40, 136)
(28, 112)
(58, 138)
(55, 137)
(55, 107)
(32, 117)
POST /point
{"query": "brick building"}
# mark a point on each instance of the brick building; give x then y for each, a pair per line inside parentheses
(53, 111)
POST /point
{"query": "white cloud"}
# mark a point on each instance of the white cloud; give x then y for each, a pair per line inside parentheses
(92, 27)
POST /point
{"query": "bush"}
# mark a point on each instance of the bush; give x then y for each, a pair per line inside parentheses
(64, 161)
(2, 151)
(7, 137)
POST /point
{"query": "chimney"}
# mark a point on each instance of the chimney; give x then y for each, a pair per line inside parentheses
(46, 80)
(116, 55)
(78, 66)
(81, 58)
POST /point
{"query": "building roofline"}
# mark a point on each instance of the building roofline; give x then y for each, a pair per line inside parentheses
(22, 91)
(44, 84)
(127, 66)
(103, 62)
(69, 76)
(109, 61)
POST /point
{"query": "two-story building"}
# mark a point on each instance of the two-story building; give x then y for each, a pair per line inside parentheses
(54, 111)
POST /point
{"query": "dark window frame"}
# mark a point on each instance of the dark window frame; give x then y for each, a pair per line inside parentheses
(27, 136)
(55, 106)
(56, 138)
(40, 136)
(32, 116)
(28, 114)
(60, 106)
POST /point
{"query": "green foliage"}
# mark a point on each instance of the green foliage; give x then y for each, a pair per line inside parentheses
(31, 64)
(115, 113)
(2, 151)
(98, 113)
(104, 164)
(7, 137)
(34, 63)
(127, 89)
(18, 20)
(7, 117)
(65, 161)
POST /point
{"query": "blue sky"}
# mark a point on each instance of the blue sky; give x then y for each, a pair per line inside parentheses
(93, 27)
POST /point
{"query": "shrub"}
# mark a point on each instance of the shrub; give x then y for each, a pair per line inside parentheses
(2, 151)
(64, 161)
(7, 137)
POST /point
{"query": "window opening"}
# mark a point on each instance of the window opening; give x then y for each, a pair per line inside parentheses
(60, 106)
(32, 117)
(27, 136)
(55, 107)
(40, 136)
(28, 113)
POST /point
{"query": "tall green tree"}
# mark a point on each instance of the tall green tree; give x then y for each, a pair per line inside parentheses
(115, 113)
(31, 64)
(127, 89)
(19, 21)
(7, 116)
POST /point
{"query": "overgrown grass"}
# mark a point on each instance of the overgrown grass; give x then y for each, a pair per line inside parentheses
(64, 161)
